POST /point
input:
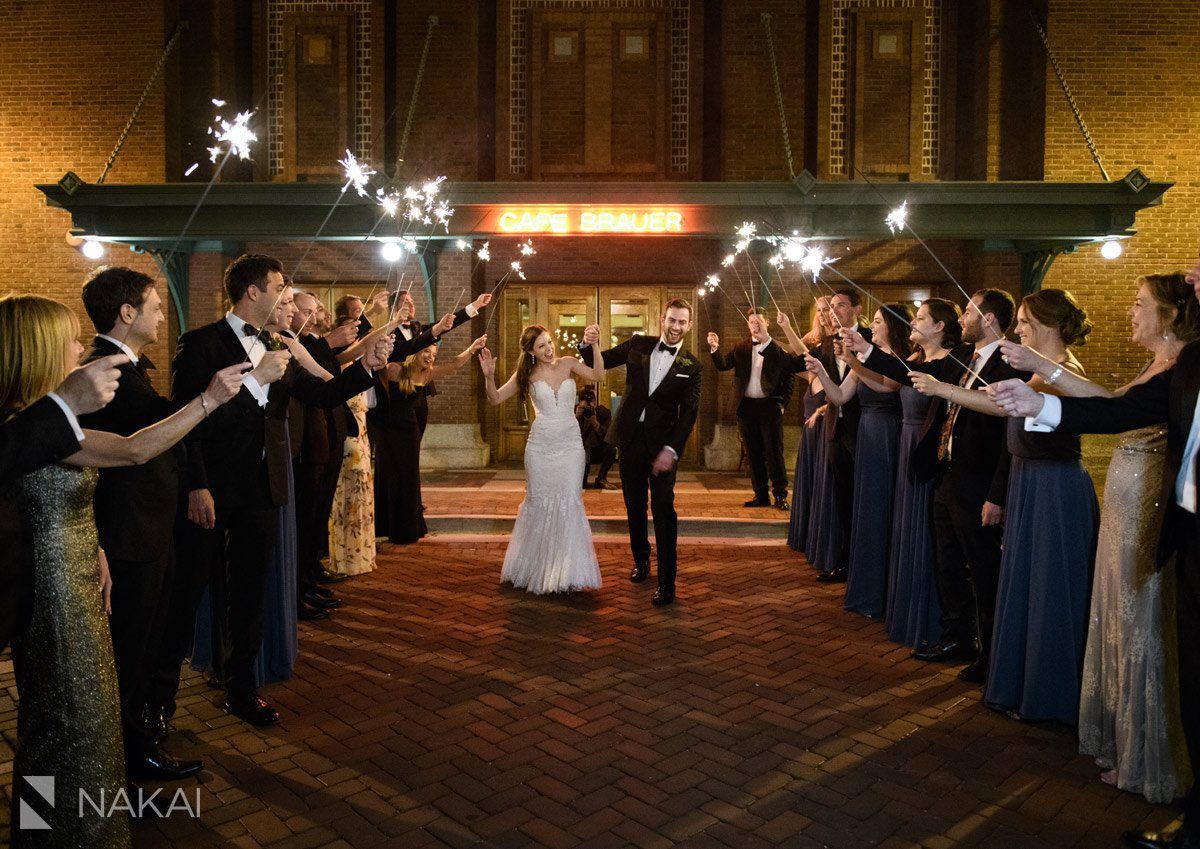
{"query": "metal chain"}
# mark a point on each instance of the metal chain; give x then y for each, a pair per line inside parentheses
(787, 142)
(430, 23)
(1062, 81)
(162, 61)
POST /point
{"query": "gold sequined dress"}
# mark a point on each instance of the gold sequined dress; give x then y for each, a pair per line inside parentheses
(1129, 704)
(68, 721)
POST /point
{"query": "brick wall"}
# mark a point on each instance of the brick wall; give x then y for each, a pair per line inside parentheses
(1131, 67)
(70, 74)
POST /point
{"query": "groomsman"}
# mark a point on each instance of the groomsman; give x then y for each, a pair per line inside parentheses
(762, 390)
(135, 506)
(972, 463)
(1172, 397)
(231, 491)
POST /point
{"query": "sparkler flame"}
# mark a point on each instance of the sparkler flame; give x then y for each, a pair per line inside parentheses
(516, 269)
(793, 248)
(712, 281)
(358, 174)
(484, 253)
(814, 260)
(237, 135)
(897, 219)
(390, 201)
(462, 244)
(748, 230)
(728, 260)
(526, 248)
(741, 245)
(432, 187)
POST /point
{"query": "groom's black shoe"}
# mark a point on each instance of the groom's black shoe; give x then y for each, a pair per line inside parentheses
(251, 708)
(663, 595)
(640, 570)
(758, 502)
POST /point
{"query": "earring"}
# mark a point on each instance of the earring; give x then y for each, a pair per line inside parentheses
(532, 359)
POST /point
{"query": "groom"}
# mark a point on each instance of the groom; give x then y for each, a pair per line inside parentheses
(654, 419)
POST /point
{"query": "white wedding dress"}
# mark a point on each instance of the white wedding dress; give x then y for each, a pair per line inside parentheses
(551, 548)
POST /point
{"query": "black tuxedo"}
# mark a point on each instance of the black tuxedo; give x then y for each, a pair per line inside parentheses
(36, 436)
(241, 458)
(760, 419)
(841, 435)
(669, 414)
(968, 554)
(135, 518)
(1169, 397)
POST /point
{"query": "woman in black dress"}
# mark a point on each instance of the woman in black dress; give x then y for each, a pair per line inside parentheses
(403, 401)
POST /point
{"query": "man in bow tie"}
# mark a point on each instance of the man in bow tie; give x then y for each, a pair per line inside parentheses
(653, 422)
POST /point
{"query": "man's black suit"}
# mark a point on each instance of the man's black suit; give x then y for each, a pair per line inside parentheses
(645, 423)
(760, 419)
(967, 552)
(841, 436)
(135, 509)
(243, 463)
(35, 437)
(1169, 397)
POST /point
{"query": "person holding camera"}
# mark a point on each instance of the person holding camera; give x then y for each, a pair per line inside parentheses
(593, 421)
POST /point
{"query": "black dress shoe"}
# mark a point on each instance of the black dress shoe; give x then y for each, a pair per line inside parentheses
(252, 709)
(320, 601)
(640, 571)
(662, 596)
(157, 722)
(327, 577)
(323, 592)
(308, 613)
(837, 576)
(157, 765)
(781, 503)
(1157, 840)
(975, 673)
(758, 502)
(947, 651)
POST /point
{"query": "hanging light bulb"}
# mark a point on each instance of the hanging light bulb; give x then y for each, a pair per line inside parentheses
(1111, 249)
(92, 249)
(391, 251)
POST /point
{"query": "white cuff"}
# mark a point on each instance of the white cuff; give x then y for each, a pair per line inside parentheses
(672, 450)
(256, 389)
(1049, 417)
(369, 397)
(471, 311)
(70, 414)
(862, 358)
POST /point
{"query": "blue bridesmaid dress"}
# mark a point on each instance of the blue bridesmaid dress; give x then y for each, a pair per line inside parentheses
(806, 472)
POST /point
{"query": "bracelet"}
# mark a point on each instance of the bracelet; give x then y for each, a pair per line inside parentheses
(204, 404)
(1055, 375)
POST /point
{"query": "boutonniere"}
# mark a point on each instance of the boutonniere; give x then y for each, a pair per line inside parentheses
(275, 343)
(685, 360)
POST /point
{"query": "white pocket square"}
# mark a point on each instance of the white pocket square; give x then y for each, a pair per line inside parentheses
(683, 375)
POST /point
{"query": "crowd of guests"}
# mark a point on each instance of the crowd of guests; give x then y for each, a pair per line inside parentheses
(138, 530)
(939, 477)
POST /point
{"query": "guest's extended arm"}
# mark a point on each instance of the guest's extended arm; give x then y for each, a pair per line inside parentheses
(838, 394)
(441, 370)
(487, 364)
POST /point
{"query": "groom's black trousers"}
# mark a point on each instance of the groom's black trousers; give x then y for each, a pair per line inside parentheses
(635, 462)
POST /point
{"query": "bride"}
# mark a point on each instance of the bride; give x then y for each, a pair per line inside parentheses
(551, 547)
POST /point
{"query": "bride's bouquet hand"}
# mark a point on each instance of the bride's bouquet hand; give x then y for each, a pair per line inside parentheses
(487, 363)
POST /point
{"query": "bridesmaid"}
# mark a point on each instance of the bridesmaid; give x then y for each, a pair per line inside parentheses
(875, 455)
(1129, 717)
(1036, 657)
(814, 399)
(400, 515)
(913, 614)
(67, 707)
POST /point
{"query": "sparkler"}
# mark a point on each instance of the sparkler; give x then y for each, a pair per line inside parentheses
(236, 135)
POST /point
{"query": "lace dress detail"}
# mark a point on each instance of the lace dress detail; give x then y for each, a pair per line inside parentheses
(551, 547)
(1129, 706)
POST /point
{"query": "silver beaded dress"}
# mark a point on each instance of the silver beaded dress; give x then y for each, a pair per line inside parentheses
(68, 719)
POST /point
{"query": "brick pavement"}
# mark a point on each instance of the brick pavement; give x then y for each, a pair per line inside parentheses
(437, 709)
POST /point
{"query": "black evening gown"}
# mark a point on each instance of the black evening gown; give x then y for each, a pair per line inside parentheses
(399, 514)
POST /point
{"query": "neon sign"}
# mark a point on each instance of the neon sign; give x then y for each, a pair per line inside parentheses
(590, 220)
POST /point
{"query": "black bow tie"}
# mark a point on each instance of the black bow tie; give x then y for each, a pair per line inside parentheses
(663, 346)
(249, 329)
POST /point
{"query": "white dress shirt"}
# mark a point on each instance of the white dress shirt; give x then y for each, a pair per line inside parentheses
(255, 350)
(125, 349)
(754, 387)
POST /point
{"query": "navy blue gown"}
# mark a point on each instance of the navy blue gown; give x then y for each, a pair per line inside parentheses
(913, 613)
(1050, 528)
(806, 471)
(874, 477)
(824, 519)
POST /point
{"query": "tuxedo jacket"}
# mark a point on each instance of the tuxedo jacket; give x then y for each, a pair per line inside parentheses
(777, 382)
(135, 505)
(233, 453)
(37, 436)
(980, 460)
(325, 431)
(841, 423)
(1168, 397)
(670, 410)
